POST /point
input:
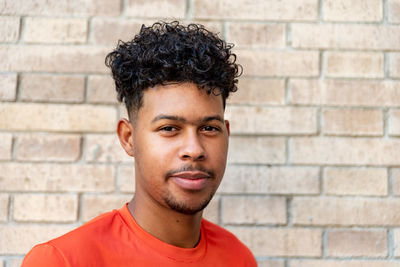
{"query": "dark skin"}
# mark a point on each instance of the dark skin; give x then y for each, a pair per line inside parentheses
(179, 140)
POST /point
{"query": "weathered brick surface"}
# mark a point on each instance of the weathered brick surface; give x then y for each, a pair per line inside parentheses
(346, 151)
(60, 7)
(280, 242)
(396, 181)
(306, 10)
(356, 182)
(94, 205)
(52, 117)
(56, 178)
(276, 120)
(74, 59)
(110, 30)
(270, 180)
(8, 88)
(346, 36)
(353, 10)
(256, 150)
(55, 30)
(257, 35)
(345, 92)
(354, 64)
(212, 212)
(15, 262)
(394, 65)
(344, 263)
(346, 211)
(45, 208)
(394, 122)
(397, 242)
(9, 31)
(278, 63)
(50, 88)
(356, 243)
(45, 147)
(259, 91)
(19, 239)
(266, 210)
(101, 89)
(165, 9)
(4, 204)
(5, 146)
(352, 122)
(270, 263)
(105, 148)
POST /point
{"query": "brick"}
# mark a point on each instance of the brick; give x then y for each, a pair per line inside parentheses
(394, 11)
(344, 263)
(265, 210)
(396, 233)
(396, 181)
(259, 91)
(212, 212)
(394, 65)
(4, 204)
(356, 182)
(9, 32)
(109, 30)
(56, 177)
(55, 30)
(354, 64)
(105, 148)
(304, 10)
(279, 63)
(257, 35)
(256, 150)
(353, 10)
(19, 239)
(345, 211)
(346, 36)
(45, 208)
(61, 7)
(345, 92)
(270, 263)
(48, 147)
(394, 122)
(94, 205)
(272, 120)
(15, 262)
(126, 178)
(345, 151)
(8, 89)
(158, 9)
(101, 89)
(367, 122)
(263, 180)
(5, 146)
(42, 58)
(356, 243)
(280, 242)
(52, 88)
(56, 117)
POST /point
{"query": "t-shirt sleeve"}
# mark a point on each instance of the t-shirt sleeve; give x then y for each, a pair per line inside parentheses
(44, 255)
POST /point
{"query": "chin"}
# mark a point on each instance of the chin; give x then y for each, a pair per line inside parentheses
(187, 208)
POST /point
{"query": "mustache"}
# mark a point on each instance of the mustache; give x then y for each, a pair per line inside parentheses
(190, 168)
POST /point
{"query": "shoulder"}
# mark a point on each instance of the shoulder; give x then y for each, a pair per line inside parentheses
(44, 255)
(226, 241)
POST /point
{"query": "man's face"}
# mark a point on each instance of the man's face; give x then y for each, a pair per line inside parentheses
(180, 145)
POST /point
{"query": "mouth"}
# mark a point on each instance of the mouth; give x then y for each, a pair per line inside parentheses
(191, 180)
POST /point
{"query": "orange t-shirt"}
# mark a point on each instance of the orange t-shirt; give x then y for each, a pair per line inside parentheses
(115, 239)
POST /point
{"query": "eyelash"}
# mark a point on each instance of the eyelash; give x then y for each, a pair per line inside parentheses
(173, 128)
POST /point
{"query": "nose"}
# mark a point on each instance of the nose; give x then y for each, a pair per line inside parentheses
(192, 148)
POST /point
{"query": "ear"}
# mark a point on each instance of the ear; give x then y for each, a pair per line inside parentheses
(228, 127)
(125, 133)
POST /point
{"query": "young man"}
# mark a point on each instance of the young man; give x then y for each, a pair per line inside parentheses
(174, 81)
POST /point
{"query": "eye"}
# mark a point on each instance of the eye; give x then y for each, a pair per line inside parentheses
(209, 128)
(168, 129)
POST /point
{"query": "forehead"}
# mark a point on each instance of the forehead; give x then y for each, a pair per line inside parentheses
(181, 99)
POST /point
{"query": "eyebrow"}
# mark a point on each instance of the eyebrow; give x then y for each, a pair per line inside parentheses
(182, 119)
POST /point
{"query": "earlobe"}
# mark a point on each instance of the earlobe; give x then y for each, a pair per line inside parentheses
(125, 133)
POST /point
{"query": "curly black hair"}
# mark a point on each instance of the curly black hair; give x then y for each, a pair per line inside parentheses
(170, 52)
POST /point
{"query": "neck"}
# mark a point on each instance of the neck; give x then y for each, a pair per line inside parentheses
(170, 226)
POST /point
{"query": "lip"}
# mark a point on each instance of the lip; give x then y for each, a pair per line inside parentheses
(191, 180)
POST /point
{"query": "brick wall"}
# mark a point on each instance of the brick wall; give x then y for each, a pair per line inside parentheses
(314, 164)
